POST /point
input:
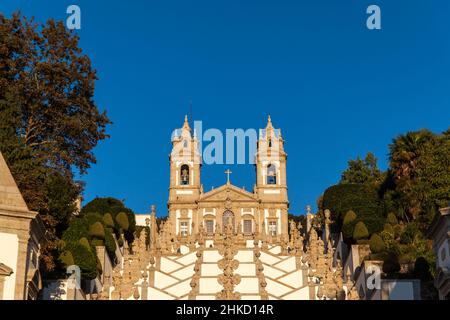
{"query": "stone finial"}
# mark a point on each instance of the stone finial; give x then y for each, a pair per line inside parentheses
(186, 124)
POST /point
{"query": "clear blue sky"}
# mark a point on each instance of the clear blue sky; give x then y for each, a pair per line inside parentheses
(336, 89)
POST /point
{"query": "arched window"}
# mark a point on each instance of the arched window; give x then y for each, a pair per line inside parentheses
(271, 174)
(270, 143)
(184, 175)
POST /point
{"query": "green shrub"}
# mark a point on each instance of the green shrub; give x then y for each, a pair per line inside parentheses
(85, 242)
(78, 229)
(110, 244)
(391, 219)
(349, 225)
(122, 221)
(66, 258)
(85, 259)
(363, 199)
(360, 231)
(350, 216)
(388, 228)
(97, 231)
(92, 217)
(409, 233)
(397, 230)
(108, 220)
(376, 243)
(120, 242)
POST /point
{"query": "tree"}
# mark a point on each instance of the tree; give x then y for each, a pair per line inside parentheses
(362, 171)
(404, 154)
(50, 123)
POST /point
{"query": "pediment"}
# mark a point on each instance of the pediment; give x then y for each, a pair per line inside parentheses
(5, 271)
(228, 192)
(10, 196)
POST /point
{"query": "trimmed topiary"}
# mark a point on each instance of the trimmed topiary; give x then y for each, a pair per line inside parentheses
(391, 219)
(122, 221)
(349, 225)
(108, 220)
(360, 232)
(361, 198)
(85, 242)
(376, 244)
(85, 259)
(66, 258)
(388, 228)
(97, 231)
(110, 244)
(350, 216)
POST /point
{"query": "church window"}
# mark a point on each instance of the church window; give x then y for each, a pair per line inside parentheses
(271, 174)
(184, 228)
(209, 227)
(184, 175)
(273, 228)
(248, 227)
(270, 143)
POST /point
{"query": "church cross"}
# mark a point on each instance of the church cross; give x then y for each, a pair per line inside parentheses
(228, 172)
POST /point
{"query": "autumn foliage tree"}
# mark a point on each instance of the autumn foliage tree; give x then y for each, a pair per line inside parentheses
(50, 122)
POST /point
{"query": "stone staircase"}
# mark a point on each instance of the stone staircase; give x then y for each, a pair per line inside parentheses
(172, 280)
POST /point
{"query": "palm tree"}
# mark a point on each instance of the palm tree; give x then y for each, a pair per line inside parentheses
(404, 153)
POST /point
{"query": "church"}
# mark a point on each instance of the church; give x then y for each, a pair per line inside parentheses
(191, 209)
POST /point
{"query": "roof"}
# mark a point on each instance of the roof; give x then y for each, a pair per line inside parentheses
(10, 196)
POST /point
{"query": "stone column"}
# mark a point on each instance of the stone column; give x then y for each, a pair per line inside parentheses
(22, 266)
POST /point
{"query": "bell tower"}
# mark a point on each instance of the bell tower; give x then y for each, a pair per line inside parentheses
(185, 188)
(271, 185)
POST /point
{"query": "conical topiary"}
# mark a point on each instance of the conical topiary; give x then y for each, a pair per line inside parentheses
(85, 242)
(360, 232)
(350, 216)
(108, 221)
(388, 228)
(96, 230)
(66, 258)
(376, 243)
(122, 221)
(391, 219)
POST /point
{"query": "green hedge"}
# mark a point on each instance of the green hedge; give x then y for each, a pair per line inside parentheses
(85, 259)
(376, 244)
(122, 221)
(362, 199)
(360, 232)
(108, 220)
(97, 230)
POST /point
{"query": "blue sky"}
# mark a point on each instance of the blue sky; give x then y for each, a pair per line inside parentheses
(335, 88)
